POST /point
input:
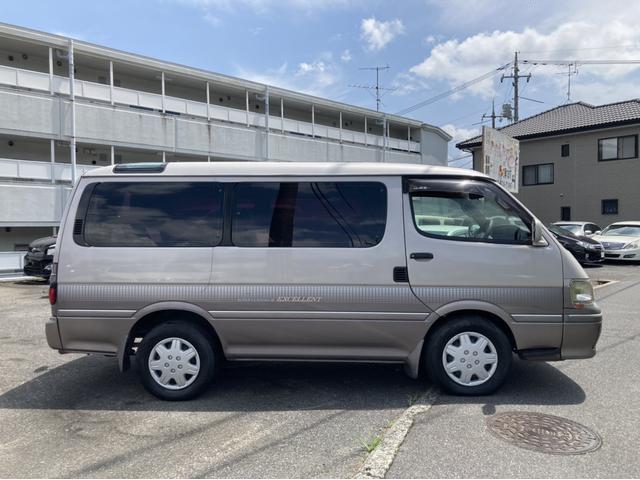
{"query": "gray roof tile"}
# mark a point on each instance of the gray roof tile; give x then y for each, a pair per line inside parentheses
(571, 117)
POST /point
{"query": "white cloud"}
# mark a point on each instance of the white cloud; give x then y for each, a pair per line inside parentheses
(598, 92)
(459, 134)
(378, 34)
(457, 61)
(321, 77)
(211, 19)
(346, 56)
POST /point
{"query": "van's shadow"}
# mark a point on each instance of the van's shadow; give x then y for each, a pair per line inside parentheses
(94, 383)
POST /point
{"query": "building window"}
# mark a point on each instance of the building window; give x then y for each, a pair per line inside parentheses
(565, 214)
(617, 148)
(537, 174)
(309, 214)
(610, 206)
(564, 150)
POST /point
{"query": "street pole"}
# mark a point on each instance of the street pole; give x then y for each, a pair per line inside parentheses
(72, 98)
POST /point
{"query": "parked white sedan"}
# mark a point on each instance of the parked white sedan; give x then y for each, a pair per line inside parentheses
(621, 241)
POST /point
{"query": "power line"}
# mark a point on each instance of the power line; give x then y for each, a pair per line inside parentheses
(457, 89)
(572, 67)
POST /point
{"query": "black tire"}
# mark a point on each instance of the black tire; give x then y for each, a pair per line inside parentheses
(207, 354)
(434, 348)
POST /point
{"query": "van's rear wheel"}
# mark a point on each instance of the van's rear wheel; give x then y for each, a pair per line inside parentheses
(468, 356)
(176, 361)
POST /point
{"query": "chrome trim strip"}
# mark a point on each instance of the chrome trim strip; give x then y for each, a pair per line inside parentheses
(97, 313)
(315, 315)
(536, 318)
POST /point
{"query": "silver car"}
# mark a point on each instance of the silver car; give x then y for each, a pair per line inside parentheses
(180, 266)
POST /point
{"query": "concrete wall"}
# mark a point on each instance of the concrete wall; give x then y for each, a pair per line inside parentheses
(580, 180)
(433, 148)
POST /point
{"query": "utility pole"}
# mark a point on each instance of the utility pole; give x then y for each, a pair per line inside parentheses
(493, 115)
(516, 83)
(378, 89)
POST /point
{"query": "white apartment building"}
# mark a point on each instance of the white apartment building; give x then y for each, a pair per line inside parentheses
(129, 108)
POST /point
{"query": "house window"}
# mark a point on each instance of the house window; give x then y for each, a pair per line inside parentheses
(610, 206)
(565, 214)
(564, 150)
(537, 174)
(617, 148)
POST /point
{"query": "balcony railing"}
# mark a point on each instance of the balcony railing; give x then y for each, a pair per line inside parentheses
(34, 170)
(96, 91)
(11, 261)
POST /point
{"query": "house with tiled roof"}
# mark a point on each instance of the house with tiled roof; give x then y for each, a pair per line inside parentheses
(577, 161)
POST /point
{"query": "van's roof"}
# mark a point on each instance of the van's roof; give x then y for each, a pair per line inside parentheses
(270, 168)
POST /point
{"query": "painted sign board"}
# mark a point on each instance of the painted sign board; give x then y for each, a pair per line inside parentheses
(501, 155)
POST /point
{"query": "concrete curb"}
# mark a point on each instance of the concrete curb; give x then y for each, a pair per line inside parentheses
(378, 462)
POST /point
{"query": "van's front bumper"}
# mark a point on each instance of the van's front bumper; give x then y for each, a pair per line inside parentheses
(53, 334)
(580, 335)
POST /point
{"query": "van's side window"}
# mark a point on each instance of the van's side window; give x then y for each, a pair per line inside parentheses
(467, 210)
(155, 214)
(309, 214)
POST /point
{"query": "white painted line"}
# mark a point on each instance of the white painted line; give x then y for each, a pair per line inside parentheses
(378, 462)
(608, 282)
(18, 279)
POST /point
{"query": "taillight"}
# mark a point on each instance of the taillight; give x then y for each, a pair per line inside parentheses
(53, 294)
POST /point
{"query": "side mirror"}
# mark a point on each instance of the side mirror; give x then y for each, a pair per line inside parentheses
(598, 232)
(537, 237)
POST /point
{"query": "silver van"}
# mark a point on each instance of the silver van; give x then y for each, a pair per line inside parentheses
(182, 266)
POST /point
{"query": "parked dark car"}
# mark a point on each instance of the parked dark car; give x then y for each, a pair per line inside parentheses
(39, 257)
(585, 249)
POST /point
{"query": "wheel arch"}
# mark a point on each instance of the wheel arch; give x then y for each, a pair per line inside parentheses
(150, 316)
(488, 311)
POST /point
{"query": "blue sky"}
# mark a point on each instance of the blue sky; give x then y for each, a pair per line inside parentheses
(317, 46)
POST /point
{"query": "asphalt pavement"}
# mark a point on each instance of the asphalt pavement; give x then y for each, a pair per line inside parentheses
(78, 416)
(452, 438)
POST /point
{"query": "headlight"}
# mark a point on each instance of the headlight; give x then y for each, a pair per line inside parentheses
(585, 244)
(51, 250)
(581, 293)
(632, 245)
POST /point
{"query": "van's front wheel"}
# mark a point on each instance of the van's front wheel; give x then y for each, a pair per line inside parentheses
(468, 356)
(176, 361)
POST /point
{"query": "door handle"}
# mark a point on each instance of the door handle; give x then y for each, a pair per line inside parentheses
(421, 256)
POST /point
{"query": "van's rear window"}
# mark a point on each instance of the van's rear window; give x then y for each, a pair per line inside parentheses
(309, 214)
(155, 214)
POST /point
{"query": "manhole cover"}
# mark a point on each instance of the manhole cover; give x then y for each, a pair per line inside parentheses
(544, 433)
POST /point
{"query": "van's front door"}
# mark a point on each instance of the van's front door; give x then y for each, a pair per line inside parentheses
(468, 246)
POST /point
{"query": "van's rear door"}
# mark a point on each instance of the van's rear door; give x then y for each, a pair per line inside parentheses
(469, 241)
(309, 271)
